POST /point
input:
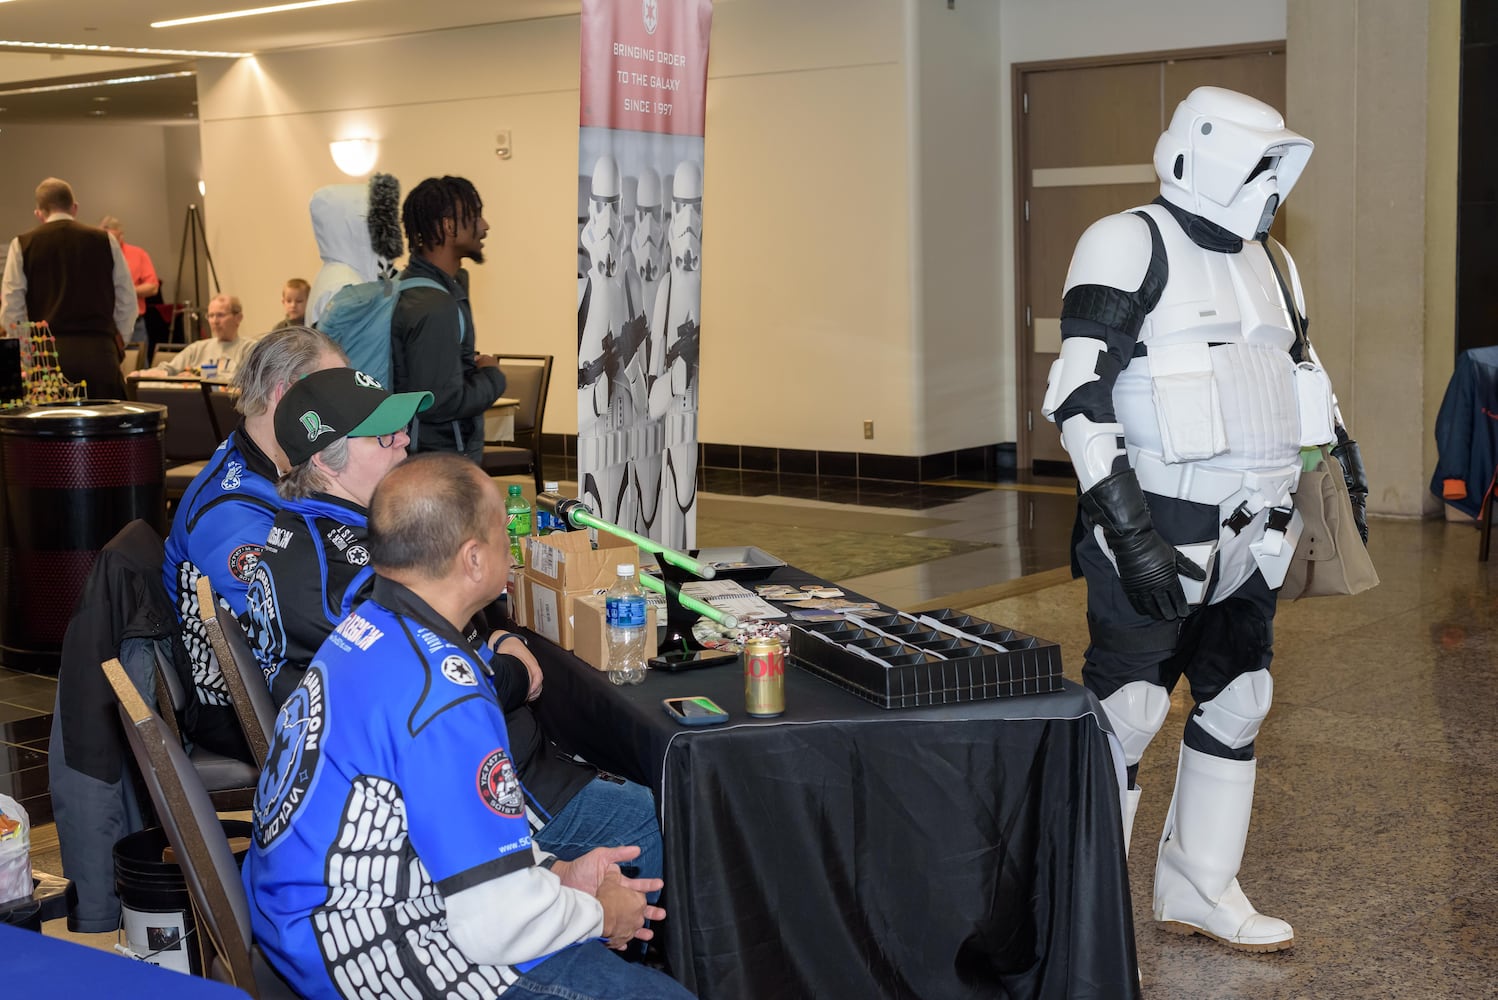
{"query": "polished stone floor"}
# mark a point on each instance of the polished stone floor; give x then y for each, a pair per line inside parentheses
(1374, 832)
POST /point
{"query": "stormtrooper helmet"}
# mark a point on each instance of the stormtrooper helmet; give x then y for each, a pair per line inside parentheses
(1228, 158)
(686, 216)
(649, 233)
(604, 201)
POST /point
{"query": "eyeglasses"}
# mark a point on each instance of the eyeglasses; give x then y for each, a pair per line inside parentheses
(386, 440)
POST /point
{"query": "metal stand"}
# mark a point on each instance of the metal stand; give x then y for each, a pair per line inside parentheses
(192, 234)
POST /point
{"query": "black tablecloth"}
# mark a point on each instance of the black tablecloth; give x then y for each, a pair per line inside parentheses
(846, 851)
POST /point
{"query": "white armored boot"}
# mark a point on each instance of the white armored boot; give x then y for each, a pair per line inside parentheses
(1196, 873)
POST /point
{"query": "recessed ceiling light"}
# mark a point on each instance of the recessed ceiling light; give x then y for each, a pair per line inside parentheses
(121, 49)
(248, 12)
(95, 83)
(98, 112)
(101, 100)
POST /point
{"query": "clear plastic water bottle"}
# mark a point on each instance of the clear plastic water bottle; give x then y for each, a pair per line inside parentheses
(546, 521)
(624, 613)
(518, 523)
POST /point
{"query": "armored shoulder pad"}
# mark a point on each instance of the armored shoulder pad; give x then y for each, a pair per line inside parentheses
(1114, 251)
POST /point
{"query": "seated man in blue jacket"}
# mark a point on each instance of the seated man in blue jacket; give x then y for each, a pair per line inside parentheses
(393, 850)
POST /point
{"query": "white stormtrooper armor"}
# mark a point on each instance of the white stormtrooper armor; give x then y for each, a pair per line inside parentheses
(674, 324)
(1182, 375)
(649, 262)
(611, 378)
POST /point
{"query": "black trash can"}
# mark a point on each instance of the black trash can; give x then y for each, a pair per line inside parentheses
(74, 474)
(156, 915)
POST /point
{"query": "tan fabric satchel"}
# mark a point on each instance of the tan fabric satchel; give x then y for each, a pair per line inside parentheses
(1330, 559)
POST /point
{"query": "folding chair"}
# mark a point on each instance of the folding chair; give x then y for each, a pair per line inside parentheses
(527, 379)
(193, 829)
(242, 674)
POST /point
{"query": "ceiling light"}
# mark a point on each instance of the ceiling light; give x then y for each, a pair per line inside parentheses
(118, 49)
(98, 112)
(101, 100)
(247, 12)
(355, 157)
(50, 88)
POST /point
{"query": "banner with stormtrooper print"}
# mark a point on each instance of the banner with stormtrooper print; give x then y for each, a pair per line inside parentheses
(639, 263)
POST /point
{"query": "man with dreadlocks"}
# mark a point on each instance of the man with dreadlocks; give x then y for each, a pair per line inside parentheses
(431, 332)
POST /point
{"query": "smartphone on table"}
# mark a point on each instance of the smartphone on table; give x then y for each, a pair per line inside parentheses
(695, 710)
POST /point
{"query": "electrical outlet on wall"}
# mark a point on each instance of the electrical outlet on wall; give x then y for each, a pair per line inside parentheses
(868, 430)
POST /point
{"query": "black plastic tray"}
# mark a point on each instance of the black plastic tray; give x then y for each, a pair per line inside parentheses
(933, 658)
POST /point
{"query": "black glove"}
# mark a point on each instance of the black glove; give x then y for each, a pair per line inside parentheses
(1147, 563)
(1346, 452)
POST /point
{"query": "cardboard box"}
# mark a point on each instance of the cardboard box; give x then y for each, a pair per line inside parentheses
(519, 611)
(566, 560)
(563, 566)
(551, 610)
(590, 631)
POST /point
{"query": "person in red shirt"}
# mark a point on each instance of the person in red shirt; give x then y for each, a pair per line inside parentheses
(142, 275)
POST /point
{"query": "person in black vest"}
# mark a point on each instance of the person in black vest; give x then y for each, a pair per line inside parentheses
(75, 278)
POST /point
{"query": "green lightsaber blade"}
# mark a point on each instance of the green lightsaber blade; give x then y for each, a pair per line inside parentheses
(691, 603)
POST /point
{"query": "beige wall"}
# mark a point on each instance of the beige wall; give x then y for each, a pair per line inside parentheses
(806, 268)
(1372, 223)
(115, 169)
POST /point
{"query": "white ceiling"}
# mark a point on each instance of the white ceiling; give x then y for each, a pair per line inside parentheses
(128, 23)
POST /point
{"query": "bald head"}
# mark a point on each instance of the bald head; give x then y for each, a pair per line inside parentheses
(425, 510)
(54, 195)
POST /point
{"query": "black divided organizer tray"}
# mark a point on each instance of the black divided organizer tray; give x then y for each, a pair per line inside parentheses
(905, 660)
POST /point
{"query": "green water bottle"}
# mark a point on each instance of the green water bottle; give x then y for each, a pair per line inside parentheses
(518, 523)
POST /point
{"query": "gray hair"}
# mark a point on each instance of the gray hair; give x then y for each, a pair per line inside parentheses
(276, 359)
(306, 479)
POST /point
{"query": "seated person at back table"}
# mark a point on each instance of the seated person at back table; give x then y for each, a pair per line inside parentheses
(226, 348)
(393, 850)
(221, 522)
(294, 303)
(342, 434)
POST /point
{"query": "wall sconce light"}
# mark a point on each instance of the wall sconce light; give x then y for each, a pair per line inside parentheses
(202, 190)
(355, 157)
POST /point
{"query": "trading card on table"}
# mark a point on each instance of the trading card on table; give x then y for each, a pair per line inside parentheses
(779, 592)
(835, 604)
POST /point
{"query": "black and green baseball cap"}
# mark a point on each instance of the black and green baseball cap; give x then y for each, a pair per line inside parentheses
(340, 402)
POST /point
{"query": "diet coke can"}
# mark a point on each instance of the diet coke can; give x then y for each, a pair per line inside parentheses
(764, 676)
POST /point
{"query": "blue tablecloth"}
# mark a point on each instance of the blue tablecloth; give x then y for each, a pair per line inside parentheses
(37, 966)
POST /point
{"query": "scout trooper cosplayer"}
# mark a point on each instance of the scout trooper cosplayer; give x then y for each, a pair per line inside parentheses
(1185, 391)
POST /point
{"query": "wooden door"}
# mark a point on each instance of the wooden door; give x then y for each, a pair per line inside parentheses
(1084, 145)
